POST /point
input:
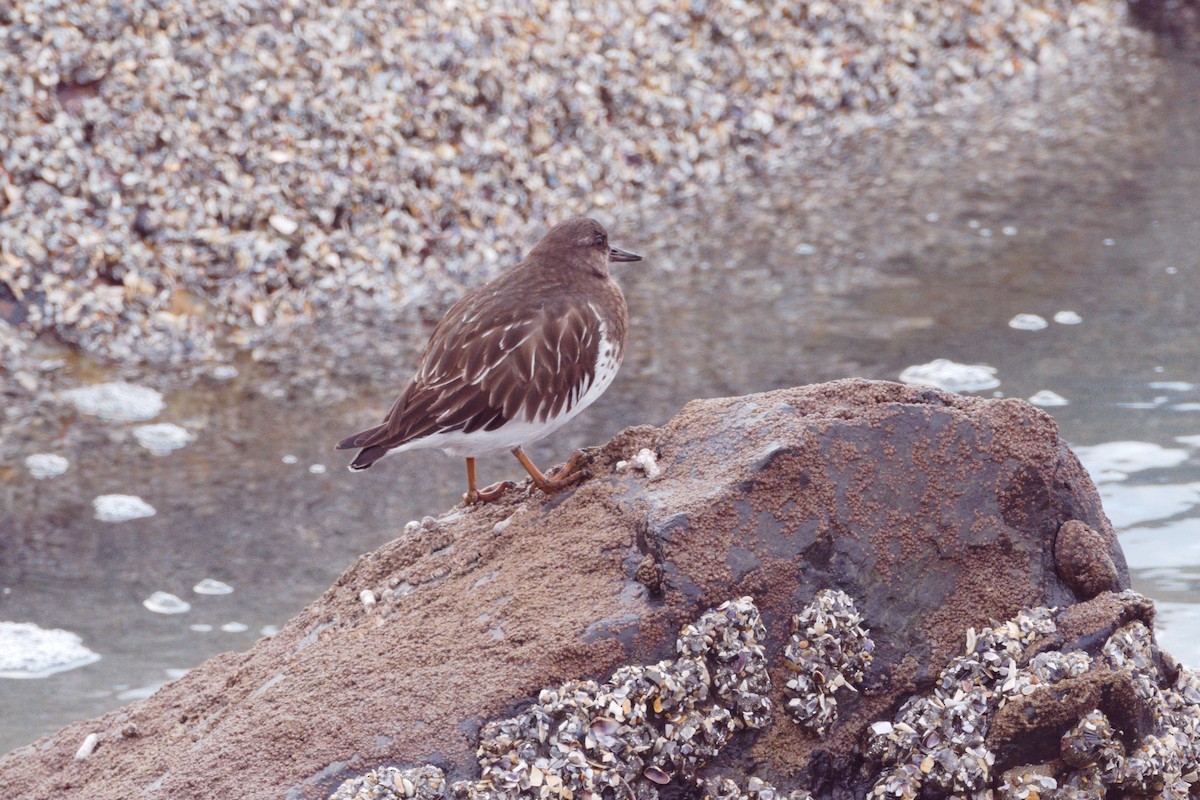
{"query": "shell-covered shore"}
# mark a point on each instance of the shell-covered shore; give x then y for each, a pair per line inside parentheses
(173, 171)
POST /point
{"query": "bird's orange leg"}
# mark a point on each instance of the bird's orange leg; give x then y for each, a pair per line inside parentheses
(568, 475)
(472, 495)
(485, 495)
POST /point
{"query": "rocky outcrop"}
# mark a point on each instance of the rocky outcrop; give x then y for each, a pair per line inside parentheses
(842, 589)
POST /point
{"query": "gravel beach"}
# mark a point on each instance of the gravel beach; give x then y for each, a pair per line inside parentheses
(174, 173)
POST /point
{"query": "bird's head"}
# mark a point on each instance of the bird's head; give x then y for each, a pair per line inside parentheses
(581, 242)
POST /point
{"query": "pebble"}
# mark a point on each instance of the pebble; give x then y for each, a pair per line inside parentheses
(121, 508)
(1048, 399)
(116, 402)
(26, 381)
(1028, 322)
(87, 747)
(284, 225)
(647, 461)
(46, 465)
(951, 376)
(166, 603)
(212, 586)
(162, 438)
(144, 209)
(28, 651)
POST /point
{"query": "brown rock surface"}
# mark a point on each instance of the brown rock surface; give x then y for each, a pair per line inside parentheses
(1082, 557)
(934, 512)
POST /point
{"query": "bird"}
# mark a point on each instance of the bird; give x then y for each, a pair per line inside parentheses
(513, 361)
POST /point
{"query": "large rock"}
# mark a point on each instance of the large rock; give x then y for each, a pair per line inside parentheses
(936, 517)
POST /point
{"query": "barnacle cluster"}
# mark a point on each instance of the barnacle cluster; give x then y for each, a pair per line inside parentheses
(392, 783)
(1164, 762)
(1091, 747)
(269, 162)
(729, 639)
(936, 741)
(644, 727)
(1027, 784)
(659, 724)
(725, 788)
(828, 651)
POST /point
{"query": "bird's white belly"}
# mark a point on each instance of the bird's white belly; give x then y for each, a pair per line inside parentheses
(518, 432)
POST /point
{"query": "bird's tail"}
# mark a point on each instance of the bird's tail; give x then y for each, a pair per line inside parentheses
(359, 439)
(368, 455)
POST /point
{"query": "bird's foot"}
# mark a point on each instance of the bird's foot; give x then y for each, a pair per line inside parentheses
(566, 475)
(488, 494)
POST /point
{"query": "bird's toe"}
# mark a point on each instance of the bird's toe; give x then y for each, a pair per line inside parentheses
(573, 466)
(494, 492)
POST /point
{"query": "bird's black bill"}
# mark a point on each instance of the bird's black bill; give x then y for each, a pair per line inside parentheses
(617, 254)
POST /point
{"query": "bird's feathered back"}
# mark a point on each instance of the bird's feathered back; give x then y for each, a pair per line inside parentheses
(523, 347)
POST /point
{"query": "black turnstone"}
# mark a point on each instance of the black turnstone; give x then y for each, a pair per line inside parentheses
(514, 360)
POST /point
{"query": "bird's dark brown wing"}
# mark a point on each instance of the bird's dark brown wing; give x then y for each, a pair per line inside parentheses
(529, 366)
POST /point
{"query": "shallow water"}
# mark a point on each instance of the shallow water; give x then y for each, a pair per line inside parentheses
(932, 264)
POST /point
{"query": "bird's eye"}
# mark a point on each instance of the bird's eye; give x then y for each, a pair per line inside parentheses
(598, 239)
